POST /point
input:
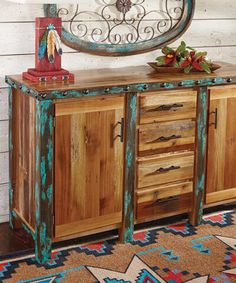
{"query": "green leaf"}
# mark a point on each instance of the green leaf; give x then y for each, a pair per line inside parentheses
(205, 67)
(200, 54)
(167, 50)
(181, 48)
(160, 60)
(188, 69)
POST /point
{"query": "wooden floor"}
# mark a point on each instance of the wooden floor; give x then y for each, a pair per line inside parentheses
(19, 243)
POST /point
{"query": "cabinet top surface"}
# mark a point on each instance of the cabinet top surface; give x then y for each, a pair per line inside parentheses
(107, 78)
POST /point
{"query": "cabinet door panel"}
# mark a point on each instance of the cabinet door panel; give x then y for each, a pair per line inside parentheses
(221, 164)
(88, 165)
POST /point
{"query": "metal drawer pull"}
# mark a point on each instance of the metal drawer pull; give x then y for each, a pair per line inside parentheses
(165, 170)
(167, 107)
(165, 139)
(166, 200)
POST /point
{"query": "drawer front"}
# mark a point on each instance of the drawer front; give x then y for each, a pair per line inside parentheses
(164, 207)
(163, 192)
(167, 106)
(167, 136)
(165, 169)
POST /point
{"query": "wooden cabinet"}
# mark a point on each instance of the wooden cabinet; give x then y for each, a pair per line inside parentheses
(118, 147)
(88, 164)
(221, 163)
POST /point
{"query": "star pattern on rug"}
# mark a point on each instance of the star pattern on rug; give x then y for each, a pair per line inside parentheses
(231, 242)
(137, 272)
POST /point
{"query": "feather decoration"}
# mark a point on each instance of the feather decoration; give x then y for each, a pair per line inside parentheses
(57, 42)
(43, 46)
(51, 46)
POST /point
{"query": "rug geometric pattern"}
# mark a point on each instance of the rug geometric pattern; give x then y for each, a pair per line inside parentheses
(173, 254)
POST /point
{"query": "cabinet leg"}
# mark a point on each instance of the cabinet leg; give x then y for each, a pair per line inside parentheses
(200, 156)
(126, 232)
(44, 180)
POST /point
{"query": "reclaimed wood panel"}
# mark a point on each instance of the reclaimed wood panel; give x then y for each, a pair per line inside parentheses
(88, 163)
(164, 169)
(163, 208)
(24, 156)
(221, 163)
(165, 191)
(167, 106)
(166, 136)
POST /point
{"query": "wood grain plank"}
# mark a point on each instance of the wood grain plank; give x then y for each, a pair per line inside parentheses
(219, 196)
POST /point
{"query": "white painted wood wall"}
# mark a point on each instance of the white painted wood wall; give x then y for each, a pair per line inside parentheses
(213, 29)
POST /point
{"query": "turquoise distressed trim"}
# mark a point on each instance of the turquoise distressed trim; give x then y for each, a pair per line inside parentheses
(129, 167)
(43, 185)
(202, 146)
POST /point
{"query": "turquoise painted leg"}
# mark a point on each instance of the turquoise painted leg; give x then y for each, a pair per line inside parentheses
(10, 94)
(200, 159)
(129, 179)
(44, 180)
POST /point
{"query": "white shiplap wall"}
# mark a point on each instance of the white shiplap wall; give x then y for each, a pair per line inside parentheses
(213, 29)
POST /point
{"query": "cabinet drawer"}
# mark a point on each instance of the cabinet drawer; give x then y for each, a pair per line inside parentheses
(164, 207)
(167, 106)
(170, 136)
(163, 192)
(165, 169)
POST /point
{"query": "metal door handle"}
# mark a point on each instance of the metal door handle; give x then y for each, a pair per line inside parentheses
(122, 125)
(215, 113)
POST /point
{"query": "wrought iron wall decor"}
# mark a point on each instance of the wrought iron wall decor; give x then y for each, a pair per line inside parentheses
(123, 27)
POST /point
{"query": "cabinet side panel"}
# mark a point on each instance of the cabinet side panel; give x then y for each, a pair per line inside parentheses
(23, 169)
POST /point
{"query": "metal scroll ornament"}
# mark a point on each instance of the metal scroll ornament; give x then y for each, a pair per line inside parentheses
(122, 27)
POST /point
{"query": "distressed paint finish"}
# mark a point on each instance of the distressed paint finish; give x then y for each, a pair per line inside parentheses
(127, 48)
(129, 172)
(119, 89)
(10, 96)
(23, 225)
(44, 180)
(200, 156)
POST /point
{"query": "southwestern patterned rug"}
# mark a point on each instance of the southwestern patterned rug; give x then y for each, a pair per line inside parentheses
(174, 254)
